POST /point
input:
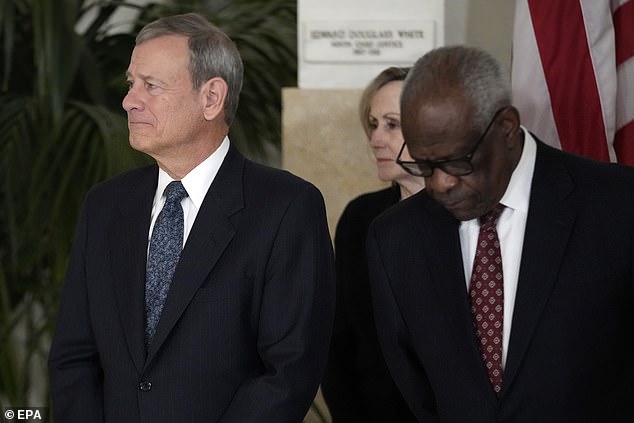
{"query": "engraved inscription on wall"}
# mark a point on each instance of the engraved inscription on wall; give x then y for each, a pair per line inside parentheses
(367, 41)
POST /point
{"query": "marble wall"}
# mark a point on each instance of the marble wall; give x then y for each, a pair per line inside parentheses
(324, 143)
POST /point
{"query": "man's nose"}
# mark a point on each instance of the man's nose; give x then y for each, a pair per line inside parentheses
(131, 100)
(441, 181)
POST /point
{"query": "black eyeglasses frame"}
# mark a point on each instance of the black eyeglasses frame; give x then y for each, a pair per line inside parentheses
(460, 166)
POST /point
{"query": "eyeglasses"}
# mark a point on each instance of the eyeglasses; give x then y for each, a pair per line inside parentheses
(456, 167)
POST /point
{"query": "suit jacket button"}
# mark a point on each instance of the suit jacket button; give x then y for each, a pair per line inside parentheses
(145, 386)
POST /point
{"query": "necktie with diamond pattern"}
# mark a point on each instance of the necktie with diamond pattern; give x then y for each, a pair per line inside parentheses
(487, 296)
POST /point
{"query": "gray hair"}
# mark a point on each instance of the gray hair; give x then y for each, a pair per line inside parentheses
(211, 53)
(459, 70)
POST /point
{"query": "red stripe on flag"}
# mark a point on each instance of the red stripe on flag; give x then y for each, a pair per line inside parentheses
(563, 48)
(624, 144)
(624, 32)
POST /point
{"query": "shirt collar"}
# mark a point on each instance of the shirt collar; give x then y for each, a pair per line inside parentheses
(518, 191)
(199, 179)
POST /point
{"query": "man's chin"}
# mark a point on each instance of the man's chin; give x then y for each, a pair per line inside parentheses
(139, 143)
(461, 210)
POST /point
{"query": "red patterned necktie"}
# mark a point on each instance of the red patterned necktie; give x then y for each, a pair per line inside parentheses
(487, 296)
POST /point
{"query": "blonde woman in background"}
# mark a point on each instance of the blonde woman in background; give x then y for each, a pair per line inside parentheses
(357, 385)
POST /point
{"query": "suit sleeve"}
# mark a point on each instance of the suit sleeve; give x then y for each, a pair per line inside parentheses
(296, 318)
(404, 365)
(74, 367)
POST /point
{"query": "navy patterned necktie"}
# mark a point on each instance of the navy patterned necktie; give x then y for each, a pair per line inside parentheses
(166, 244)
(487, 296)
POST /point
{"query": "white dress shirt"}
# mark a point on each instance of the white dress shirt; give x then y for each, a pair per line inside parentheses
(196, 183)
(510, 227)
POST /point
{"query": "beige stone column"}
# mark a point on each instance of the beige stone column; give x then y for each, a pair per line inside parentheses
(325, 144)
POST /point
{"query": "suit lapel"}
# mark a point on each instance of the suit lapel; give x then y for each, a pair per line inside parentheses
(128, 246)
(210, 235)
(548, 228)
(448, 279)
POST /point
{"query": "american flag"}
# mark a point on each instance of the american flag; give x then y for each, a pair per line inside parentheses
(573, 75)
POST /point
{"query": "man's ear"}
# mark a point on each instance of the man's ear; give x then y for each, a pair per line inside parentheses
(510, 124)
(214, 94)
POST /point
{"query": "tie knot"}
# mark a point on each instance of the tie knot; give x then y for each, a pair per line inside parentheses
(175, 192)
(490, 219)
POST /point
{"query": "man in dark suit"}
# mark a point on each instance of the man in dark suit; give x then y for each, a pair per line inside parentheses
(241, 332)
(555, 342)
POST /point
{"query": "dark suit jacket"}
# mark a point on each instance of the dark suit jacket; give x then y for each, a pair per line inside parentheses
(357, 385)
(244, 333)
(571, 352)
